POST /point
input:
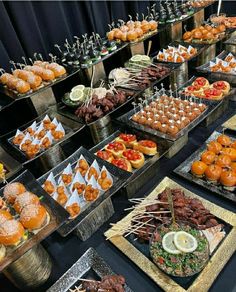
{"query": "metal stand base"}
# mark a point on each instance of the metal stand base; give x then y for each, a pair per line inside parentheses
(99, 73)
(176, 31)
(101, 129)
(177, 146)
(207, 55)
(179, 76)
(31, 270)
(231, 48)
(198, 18)
(95, 220)
(43, 100)
(137, 49)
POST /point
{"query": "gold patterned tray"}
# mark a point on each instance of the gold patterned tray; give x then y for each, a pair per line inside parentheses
(207, 276)
(230, 123)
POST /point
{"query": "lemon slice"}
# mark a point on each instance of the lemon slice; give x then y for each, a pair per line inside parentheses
(136, 58)
(185, 242)
(80, 87)
(145, 58)
(76, 95)
(168, 243)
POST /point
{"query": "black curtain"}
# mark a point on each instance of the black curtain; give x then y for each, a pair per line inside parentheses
(27, 27)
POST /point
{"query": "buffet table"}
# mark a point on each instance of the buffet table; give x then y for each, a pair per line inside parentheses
(165, 101)
(65, 251)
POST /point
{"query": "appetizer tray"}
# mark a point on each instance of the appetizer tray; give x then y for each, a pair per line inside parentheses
(45, 85)
(170, 67)
(205, 68)
(200, 48)
(207, 101)
(10, 165)
(120, 46)
(70, 127)
(126, 119)
(119, 178)
(184, 170)
(141, 175)
(56, 216)
(138, 252)
(70, 112)
(89, 266)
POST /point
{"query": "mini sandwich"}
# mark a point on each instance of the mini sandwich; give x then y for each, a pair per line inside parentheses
(222, 85)
(127, 139)
(11, 233)
(147, 147)
(34, 217)
(203, 82)
(105, 155)
(136, 158)
(122, 163)
(116, 148)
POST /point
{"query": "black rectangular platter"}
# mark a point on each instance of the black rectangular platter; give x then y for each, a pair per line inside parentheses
(163, 147)
(89, 266)
(71, 127)
(16, 96)
(200, 48)
(218, 75)
(70, 112)
(207, 101)
(171, 66)
(57, 217)
(119, 178)
(126, 119)
(184, 171)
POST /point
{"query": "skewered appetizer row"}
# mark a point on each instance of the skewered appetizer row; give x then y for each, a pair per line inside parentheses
(85, 52)
(138, 79)
(168, 115)
(31, 77)
(176, 54)
(229, 22)
(218, 163)
(38, 137)
(203, 89)
(127, 153)
(78, 184)
(132, 30)
(110, 283)
(20, 211)
(171, 11)
(204, 33)
(102, 102)
(227, 65)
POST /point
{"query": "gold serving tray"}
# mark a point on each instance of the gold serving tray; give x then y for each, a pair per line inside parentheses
(230, 123)
(214, 266)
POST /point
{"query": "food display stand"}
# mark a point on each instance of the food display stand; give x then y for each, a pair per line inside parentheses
(113, 156)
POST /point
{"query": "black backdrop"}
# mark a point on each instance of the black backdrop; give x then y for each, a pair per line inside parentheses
(35, 26)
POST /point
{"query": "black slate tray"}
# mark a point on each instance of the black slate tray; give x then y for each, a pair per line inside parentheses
(126, 119)
(200, 48)
(89, 266)
(57, 217)
(119, 178)
(207, 101)
(184, 170)
(71, 127)
(162, 147)
(45, 85)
